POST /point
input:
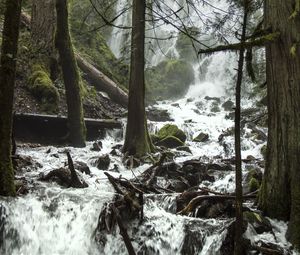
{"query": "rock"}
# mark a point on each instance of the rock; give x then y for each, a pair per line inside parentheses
(263, 151)
(159, 115)
(215, 108)
(176, 105)
(171, 130)
(201, 138)
(170, 142)
(97, 146)
(154, 138)
(103, 162)
(82, 167)
(193, 239)
(252, 180)
(228, 105)
(216, 99)
(184, 148)
(259, 223)
(24, 163)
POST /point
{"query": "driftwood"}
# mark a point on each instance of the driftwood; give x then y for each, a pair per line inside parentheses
(66, 177)
(100, 80)
(196, 201)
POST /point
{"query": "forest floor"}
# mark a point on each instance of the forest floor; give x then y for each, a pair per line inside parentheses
(96, 105)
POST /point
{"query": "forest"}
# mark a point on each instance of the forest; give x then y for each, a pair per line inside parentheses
(149, 127)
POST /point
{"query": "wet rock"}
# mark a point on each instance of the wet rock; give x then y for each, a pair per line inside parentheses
(201, 138)
(170, 142)
(176, 105)
(24, 163)
(171, 130)
(97, 146)
(21, 186)
(258, 222)
(189, 100)
(184, 148)
(228, 105)
(103, 162)
(252, 180)
(115, 152)
(216, 99)
(82, 167)
(177, 186)
(159, 115)
(215, 108)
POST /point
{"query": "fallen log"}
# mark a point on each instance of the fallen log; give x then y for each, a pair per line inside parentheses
(197, 200)
(50, 129)
(101, 82)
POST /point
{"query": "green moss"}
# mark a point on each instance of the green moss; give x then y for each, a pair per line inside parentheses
(254, 184)
(41, 86)
(171, 130)
(91, 43)
(263, 151)
(169, 79)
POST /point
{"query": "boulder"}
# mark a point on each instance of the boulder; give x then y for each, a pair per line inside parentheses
(82, 167)
(103, 162)
(184, 148)
(159, 115)
(228, 105)
(171, 130)
(216, 99)
(259, 223)
(170, 142)
(201, 138)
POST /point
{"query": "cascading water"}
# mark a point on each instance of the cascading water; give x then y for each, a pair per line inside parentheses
(55, 220)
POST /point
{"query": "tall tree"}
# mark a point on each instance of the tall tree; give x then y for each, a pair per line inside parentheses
(71, 76)
(43, 26)
(7, 81)
(280, 192)
(238, 245)
(137, 140)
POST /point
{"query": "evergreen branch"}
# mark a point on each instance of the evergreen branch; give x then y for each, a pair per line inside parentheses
(247, 45)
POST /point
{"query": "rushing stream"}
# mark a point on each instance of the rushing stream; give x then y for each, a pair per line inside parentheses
(55, 220)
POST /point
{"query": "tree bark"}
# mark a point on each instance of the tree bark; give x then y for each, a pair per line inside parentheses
(43, 28)
(238, 241)
(71, 76)
(43, 25)
(7, 81)
(280, 192)
(137, 140)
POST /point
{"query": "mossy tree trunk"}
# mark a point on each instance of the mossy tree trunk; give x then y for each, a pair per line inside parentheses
(7, 81)
(70, 75)
(137, 140)
(280, 192)
(43, 26)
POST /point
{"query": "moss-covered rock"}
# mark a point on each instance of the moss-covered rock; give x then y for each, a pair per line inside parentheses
(254, 184)
(201, 138)
(41, 86)
(171, 130)
(169, 79)
(170, 142)
(263, 151)
(260, 223)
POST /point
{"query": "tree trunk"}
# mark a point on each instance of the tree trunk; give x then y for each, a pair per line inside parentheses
(7, 81)
(137, 140)
(238, 245)
(43, 27)
(280, 192)
(71, 76)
